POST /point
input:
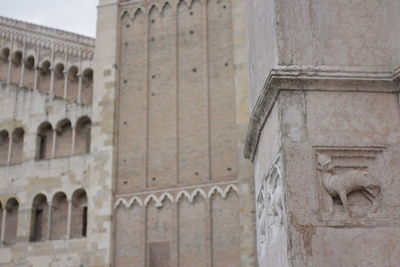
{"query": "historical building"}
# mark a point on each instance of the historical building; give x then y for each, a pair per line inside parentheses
(127, 150)
(324, 134)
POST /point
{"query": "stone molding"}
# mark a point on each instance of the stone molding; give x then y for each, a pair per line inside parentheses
(313, 78)
(72, 43)
(176, 195)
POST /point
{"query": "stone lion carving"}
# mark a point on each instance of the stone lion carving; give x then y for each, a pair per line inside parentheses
(347, 182)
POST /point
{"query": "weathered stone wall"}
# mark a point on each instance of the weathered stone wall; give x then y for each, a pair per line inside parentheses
(36, 193)
(324, 134)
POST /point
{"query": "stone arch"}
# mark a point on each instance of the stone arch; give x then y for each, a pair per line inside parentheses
(45, 141)
(11, 224)
(73, 83)
(79, 214)
(29, 72)
(17, 147)
(83, 135)
(63, 139)
(44, 77)
(16, 66)
(59, 216)
(4, 62)
(39, 218)
(59, 80)
(87, 86)
(4, 147)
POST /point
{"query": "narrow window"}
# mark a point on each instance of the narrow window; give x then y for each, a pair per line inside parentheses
(79, 214)
(84, 221)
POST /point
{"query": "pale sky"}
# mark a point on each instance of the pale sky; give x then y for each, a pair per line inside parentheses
(77, 16)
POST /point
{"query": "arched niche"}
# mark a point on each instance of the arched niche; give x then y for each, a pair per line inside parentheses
(83, 136)
(4, 147)
(73, 83)
(59, 216)
(16, 66)
(29, 72)
(4, 63)
(11, 225)
(59, 80)
(87, 86)
(17, 146)
(79, 213)
(45, 141)
(44, 77)
(39, 219)
(63, 139)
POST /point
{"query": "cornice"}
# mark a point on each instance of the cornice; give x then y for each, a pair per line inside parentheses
(313, 78)
(45, 36)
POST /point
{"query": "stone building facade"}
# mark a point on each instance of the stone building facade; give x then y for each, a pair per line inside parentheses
(324, 133)
(127, 150)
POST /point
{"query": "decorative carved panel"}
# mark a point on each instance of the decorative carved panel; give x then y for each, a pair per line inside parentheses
(270, 208)
(349, 184)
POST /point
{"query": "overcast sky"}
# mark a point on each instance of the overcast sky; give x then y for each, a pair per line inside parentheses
(77, 16)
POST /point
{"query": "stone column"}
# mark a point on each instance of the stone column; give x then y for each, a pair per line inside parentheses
(49, 220)
(53, 146)
(3, 225)
(69, 219)
(10, 137)
(73, 140)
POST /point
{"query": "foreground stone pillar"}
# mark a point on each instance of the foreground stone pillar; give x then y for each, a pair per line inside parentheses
(324, 135)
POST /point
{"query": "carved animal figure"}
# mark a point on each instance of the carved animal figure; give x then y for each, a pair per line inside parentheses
(345, 183)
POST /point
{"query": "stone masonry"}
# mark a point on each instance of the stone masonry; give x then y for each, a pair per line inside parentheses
(324, 133)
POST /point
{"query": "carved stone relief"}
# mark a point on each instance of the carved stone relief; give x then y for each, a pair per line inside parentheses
(270, 208)
(349, 186)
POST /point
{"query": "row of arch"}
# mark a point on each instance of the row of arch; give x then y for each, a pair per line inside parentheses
(64, 140)
(59, 219)
(61, 141)
(62, 218)
(69, 83)
(161, 6)
(11, 147)
(190, 196)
